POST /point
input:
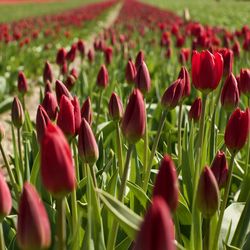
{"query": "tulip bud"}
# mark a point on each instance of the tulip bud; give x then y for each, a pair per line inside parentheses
(2, 133)
(91, 55)
(66, 118)
(64, 68)
(195, 110)
(77, 114)
(236, 49)
(74, 73)
(157, 229)
(134, 119)
(71, 55)
(42, 120)
(61, 90)
(230, 94)
(86, 111)
(47, 73)
(50, 105)
(220, 169)
(228, 58)
(57, 170)
(87, 146)
(81, 47)
(173, 94)
(139, 59)
(33, 227)
(237, 130)
(142, 78)
(108, 52)
(102, 77)
(61, 56)
(17, 115)
(244, 85)
(186, 79)
(70, 82)
(5, 198)
(47, 88)
(130, 72)
(22, 83)
(208, 193)
(166, 184)
(115, 107)
(207, 70)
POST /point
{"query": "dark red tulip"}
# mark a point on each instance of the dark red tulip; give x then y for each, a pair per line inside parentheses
(228, 57)
(166, 184)
(186, 79)
(207, 70)
(61, 56)
(115, 107)
(81, 47)
(22, 84)
(87, 146)
(236, 49)
(74, 73)
(77, 114)
(244, 83)
(61, 90)
(91, 55)
(102, 77)
(42, 120)
(71, 54)
(195, 110)
(64, 68)
(50, 105)
(173, 94)
(230, 93)
(47, 88)
(130, 72)
(237, 130)
(47, 73)
(219, 168)
(157, 229)
(70, 82)
(208, 193)
(57, 169)
(5, 198)
(17, 115)
(139, 59)
(86, 111)
(142, 78)
(108, 52)
(33, 227)
(134, 119)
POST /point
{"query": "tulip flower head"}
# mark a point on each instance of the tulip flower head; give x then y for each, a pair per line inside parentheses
(17, 115)
(142, 78)
(102, 77)
(47, 73)
(244, 83)
(115, 107)
(50, 105)
(22, 83)
(86, 111)
(130, 72)
(195, 110)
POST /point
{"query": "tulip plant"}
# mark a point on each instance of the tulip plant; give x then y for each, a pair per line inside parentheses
(140, 139)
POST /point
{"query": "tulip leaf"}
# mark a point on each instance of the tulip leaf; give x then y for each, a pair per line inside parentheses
(128, 220)
(124, 244)
(35, 170)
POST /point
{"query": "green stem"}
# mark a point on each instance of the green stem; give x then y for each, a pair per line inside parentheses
(119, 149)
(115, 225)
(206, 245)
(152, 154)
(20, 150)
(2, 243)
(225, 198)
(179, 135)
(11, 175)
(145, 153)
(61, 224)
(98, 109)
(76, 159)
(92, 172)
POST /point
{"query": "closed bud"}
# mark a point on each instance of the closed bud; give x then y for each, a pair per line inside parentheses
(195, 110)
(207, 69)
(102, 77)
(166, 184)
(77, 114)
(220, 169)
(139, 59)
(186, 79)
(134, 119)
(86, 111)
(47, 73)
(64, 68)
(173, 94)
(47, 88)
(237, 130)
(81, 47)
(22, 84)
(33, 227)
(244, 84)
(208, 193)
(91, 55)
(42, 120)
(157, 229)
(87, 146)
(115, 107)
(50, 105)
(57, 170)
(108, 53)
(230, 94)
(70, 82)
(74, 73)
(71, 54)
(61, 90)
(61, 56)
(17, 115)
(142, 78)
(130, 72)
(5, 198)
(236, 49)
(228, 57)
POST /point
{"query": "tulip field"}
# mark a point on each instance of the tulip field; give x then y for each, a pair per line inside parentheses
(124, 125)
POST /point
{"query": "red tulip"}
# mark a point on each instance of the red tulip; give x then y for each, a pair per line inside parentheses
(33, 227)
(86, 111)
(237, 130)
(87, 146)
(142, 78)
(61, 90)
(115, 107)
(17, 115)
(22, 83)
(47, 73)
(77, 114)
(157, 229)
(81, 47)
(228, 57)
(71, 54)
(42, 120)
(91, 55)
(244, 84)
(139, 59)
(102, 77)
(208, 193)
(108, 52)
(186, 79)
(130, 72)
(220, 169)
(236, 49)
(57, 170)
(61, 56)
(195, 110)
(47, 88)
(50, 105)
(166, 184)
(5, 198)
(207, 70)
